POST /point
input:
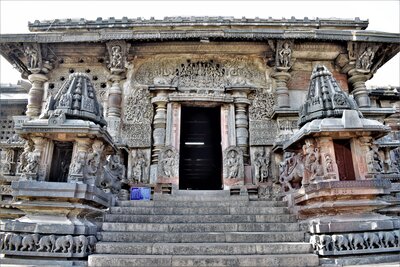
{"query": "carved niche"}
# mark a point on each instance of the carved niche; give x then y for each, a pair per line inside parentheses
(200, 73)
(137, 118)
(233, 172)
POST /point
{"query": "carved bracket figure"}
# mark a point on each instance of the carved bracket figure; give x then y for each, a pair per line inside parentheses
(117, 51)
(284, 55)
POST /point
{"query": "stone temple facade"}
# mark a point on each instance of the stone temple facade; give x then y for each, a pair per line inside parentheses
(258, 116)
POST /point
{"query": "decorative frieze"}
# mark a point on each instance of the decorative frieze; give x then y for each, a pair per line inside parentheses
(47, 245)
(356, 243)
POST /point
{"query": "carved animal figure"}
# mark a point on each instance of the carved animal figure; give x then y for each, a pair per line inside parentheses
(91, 244)
(340, 241)
(324, 242)
(387, 238)
(355, 241)
(46, 243)
(372, 239)
(80, 244)
(314, 242)
(396, 234)
(29, 242)
(14, 242)
(291, 173)
(64, 244)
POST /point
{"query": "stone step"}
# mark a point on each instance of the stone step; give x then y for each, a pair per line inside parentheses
(143, 203)
(202, 248)
(200, 227)
(209, 237)
(288, 260)
(199, 218)
(198, 210)
(198, 197)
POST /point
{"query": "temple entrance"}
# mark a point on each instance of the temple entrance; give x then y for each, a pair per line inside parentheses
(200, 162)
(344, 160)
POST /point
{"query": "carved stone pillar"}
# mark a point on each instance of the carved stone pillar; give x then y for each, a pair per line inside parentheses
(241, 117)
(282, 91)
(114, 96)
(35, 95)
(160, 120)
(78, 163)
(357, 80)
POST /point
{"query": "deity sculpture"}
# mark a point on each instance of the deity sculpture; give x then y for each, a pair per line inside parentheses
(285, 55)
(168, 164)
(32, 55)
(139, 164)
(365, 59)
(374, 161)
(232, 164)
(261, 166)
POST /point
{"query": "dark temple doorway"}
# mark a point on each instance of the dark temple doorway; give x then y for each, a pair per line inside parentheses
(62, 155)
(344, 160)
(200, 161)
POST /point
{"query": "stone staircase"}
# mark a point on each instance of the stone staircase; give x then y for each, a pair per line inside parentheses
(201, 228)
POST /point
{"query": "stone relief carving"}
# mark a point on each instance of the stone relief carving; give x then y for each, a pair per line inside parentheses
(31, 170)
(233, 163)
(355, 241)
(77, 165)
(33, 55)
(201, 73)
(117, 51)
(395, 160)
(374, 160)
(138, 108)
(139, 167)
(168, 163)
(92, 162)
(291, 171)
(328, 163)
(263, 132)
(113, 175)
(284, 56)
(365, 60)
(47, 243)
(261, 165)
(312, 163)
(6, 161)
(262, 106)
(286, 128)
(137, 134)
(23, 159)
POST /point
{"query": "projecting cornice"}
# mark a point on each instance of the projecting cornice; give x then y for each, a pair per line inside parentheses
(217, 35)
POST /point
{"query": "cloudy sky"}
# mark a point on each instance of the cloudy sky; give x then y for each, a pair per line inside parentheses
(382, 15)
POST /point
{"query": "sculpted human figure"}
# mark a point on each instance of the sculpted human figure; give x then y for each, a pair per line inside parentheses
(116, 57)
(78, 163)
(168, 164)
(32, 55)
(261, 165)
(366, 59)
(232, 164)
(285, 55)
(138, 166)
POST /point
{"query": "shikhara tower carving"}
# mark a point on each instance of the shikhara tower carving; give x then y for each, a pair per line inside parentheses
(262, 108)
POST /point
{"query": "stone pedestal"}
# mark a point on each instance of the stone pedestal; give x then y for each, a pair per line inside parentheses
(59, 221)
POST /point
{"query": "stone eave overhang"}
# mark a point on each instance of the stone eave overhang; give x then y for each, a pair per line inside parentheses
(217, 35)
(350, 123)
(194, 21)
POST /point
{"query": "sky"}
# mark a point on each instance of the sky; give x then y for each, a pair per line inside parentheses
(383, 16)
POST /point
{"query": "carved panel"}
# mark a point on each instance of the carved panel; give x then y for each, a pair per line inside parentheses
(262, 106)
(263, 132)
(136, 134)
(139, 163)
(168, 163)
(233, 163)
(200, 73)
(138, 108)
